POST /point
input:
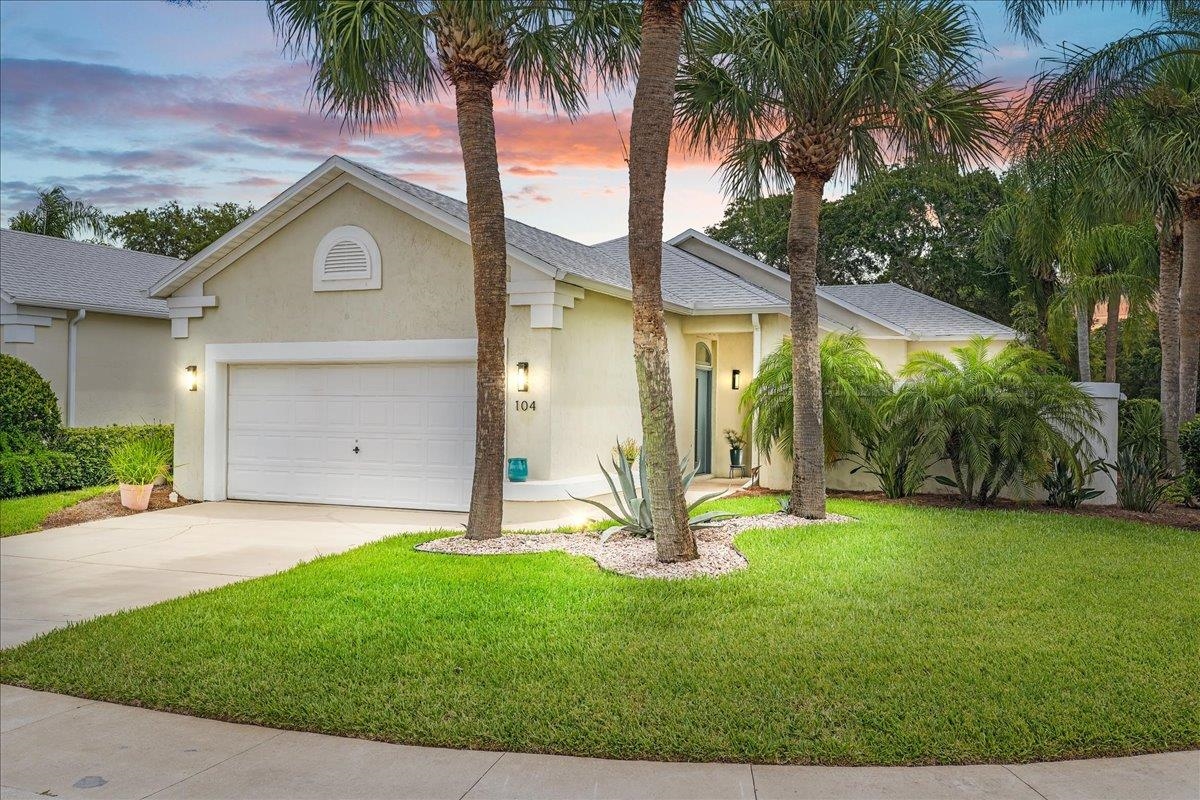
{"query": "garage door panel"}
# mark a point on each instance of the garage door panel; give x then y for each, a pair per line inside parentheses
(293, 430)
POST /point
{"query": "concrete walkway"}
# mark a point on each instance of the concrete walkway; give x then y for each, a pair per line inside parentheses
(51, 578)
(63, 746)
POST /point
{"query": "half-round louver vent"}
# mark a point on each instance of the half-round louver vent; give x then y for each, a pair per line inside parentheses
(346, 259)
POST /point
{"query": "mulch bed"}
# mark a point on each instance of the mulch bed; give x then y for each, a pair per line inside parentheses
(1167, 513)
(108, 505)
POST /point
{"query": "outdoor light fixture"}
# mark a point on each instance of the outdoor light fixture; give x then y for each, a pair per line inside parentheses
(522, 376)
(737, 379)
(189, 378)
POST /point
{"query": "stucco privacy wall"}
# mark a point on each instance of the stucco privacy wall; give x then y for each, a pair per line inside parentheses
(266, 295)
(124, 367)
(48, 355)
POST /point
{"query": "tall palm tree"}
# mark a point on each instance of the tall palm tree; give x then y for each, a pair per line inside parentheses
(662, 27)
(57, 215)
(1111, 263)
(792, 93)
(370, 58)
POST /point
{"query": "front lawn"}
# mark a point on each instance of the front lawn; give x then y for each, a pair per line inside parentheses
(915, 635)
(24, 514)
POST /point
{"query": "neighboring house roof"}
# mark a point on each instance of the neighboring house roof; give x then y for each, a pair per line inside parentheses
(922, 316)
(49, 272)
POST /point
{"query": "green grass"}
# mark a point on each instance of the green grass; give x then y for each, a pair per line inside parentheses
(24, 514)
(915, 635)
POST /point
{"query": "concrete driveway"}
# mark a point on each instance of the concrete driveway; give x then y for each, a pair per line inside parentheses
(54, 577)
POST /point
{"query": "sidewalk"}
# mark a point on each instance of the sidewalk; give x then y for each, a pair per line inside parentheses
(53, 745)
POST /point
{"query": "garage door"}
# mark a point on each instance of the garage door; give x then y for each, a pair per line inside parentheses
(397, 435)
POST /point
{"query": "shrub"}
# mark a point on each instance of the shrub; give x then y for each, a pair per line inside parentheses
(853, 383)
(29, 416)
(1143, 477)
(897, 451)
(1066, 483)
(998, 419)
(37, 472)
(93, 447)
(1187, 489)
(141, 460)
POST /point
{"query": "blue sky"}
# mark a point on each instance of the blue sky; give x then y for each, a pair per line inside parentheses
(130, 104)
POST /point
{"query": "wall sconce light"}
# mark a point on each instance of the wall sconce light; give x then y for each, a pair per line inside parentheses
(189, 378)
(522, 376)
(737, 379)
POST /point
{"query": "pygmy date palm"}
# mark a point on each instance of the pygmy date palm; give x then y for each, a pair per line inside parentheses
(371, 58)
(792, 92)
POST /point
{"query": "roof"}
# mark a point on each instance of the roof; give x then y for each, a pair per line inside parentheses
(50, 272)
(920, 315)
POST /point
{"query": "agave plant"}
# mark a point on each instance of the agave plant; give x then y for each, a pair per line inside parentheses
(633, 498)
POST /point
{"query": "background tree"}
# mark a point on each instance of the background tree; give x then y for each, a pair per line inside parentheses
(758, 226)
(59, 216)
(792, 92)
(175, 231)
(649, 144)
(372, 58)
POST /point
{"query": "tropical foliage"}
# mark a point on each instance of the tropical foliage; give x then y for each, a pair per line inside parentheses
(789, 94)
(58, 215)
(997, 419)
(632, 497)
(853, 385)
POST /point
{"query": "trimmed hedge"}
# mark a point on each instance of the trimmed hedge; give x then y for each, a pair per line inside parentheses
(38, 472)
(29, 415)
(92, 447)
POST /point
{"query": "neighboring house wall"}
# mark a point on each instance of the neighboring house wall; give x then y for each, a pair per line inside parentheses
(48, 355)
(267, 295)
(125, 370)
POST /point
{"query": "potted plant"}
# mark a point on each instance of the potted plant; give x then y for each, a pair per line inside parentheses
(736, 443)
(138, 465)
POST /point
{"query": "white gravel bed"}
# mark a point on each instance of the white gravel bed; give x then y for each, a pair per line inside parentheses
(633, 555)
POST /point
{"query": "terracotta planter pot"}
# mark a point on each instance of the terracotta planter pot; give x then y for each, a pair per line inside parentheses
(136, 498)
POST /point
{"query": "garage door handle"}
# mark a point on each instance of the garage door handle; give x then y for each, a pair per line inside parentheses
(356, 448)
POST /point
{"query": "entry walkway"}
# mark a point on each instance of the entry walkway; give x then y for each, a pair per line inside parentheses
(53, 745)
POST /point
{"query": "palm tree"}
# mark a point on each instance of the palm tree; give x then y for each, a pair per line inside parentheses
(1111, 263)
(996, 418)
(59, 216)
(792, 93)
(854, 384)
(371, 57)
(649, 144)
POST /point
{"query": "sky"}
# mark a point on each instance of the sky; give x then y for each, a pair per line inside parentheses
(133, 104)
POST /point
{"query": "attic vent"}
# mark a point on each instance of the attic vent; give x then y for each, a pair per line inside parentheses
(346, 259)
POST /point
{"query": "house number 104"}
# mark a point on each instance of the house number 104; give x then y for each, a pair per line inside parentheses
(525, 405)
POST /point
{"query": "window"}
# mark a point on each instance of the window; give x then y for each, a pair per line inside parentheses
(346, 259)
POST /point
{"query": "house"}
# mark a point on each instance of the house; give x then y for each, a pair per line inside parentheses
(78, 313)
(332, 340)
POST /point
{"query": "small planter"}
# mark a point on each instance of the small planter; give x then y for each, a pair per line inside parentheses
(136, 497)
(735, 457)
(518, 470)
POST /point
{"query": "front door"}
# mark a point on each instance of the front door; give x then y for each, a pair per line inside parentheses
(703, 409)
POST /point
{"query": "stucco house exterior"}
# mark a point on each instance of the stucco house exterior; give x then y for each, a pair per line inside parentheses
(79, 314)
(332, 338)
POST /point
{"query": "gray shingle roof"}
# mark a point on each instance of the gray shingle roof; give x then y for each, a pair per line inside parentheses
(687, 281)
(61, 273)
(919, 314)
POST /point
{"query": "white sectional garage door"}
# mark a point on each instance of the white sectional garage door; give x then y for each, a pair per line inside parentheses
(397, 435)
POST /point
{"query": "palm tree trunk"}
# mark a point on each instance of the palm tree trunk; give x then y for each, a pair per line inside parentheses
(485, 217)
(1083, 342)
(1170, 244)
(808, 449)
(1189, 309)
(649, 146)
(1111, 331)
